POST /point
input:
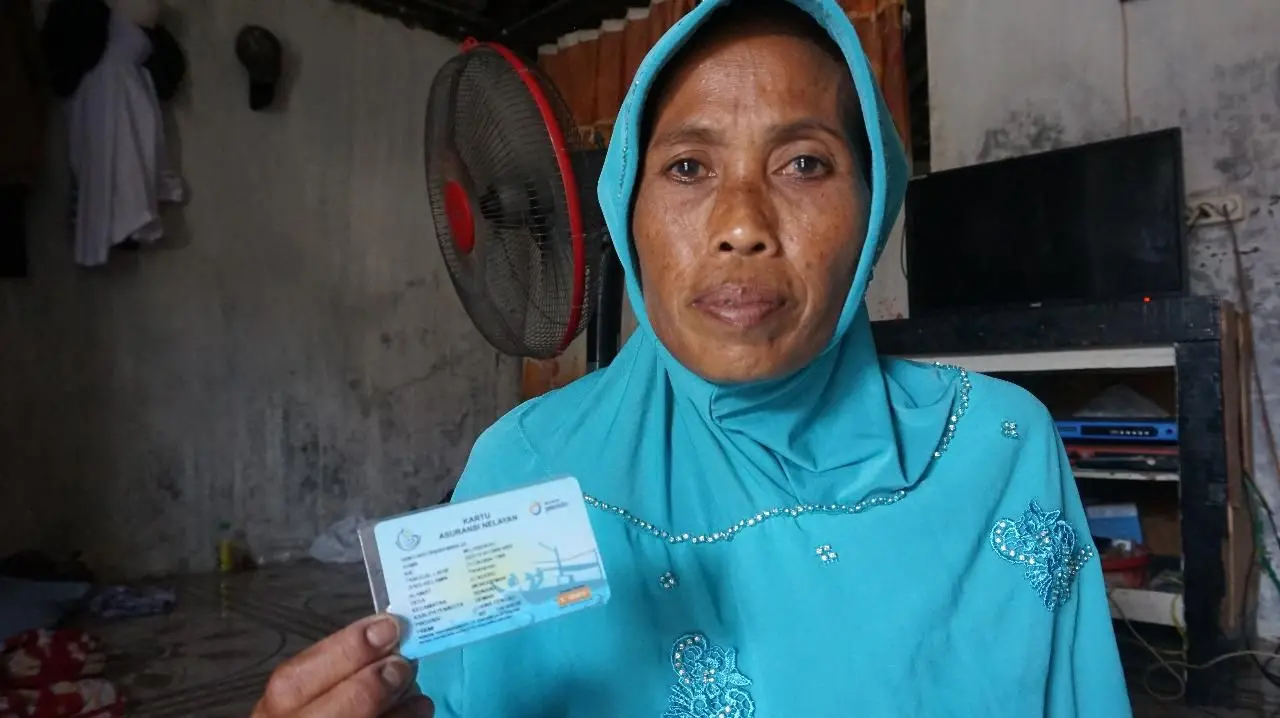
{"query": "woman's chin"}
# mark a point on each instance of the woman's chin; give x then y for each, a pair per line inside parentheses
(720, 364)
(722, 354)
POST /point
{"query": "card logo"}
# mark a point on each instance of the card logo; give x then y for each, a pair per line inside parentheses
(572, 596)
(535, 508)
(407, 540)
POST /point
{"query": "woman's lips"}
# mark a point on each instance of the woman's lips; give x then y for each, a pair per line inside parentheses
(739, 305)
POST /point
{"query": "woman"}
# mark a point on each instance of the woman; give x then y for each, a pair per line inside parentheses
(791, 526)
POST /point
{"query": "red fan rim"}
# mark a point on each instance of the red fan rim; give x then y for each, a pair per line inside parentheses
(567, 177)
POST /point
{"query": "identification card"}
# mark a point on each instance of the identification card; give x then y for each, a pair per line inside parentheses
(464, 572)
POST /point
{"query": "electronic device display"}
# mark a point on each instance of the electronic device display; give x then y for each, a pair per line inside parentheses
(1099, 222)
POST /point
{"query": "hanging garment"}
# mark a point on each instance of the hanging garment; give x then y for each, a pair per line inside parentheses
(74, 36)
(166, 65)
(117, 149)
(13, 231)
(22, 128)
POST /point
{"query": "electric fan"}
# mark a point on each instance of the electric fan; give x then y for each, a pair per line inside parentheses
(512, 189)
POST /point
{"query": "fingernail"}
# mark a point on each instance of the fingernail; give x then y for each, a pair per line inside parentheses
(382, 633)
(396, 673)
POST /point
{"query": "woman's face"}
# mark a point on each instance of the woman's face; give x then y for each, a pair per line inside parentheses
(749, 218)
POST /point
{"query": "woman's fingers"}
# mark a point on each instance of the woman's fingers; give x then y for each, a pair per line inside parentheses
(368, 694)
(315, 672)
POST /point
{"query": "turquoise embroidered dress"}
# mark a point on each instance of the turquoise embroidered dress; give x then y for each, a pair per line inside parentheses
(867, 537)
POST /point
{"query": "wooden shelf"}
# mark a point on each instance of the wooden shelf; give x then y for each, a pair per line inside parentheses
(1125, 475)
(1061, 360)
(1187, 349)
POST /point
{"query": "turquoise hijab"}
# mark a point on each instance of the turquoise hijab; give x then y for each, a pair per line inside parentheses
(863, 537)
(841, 412)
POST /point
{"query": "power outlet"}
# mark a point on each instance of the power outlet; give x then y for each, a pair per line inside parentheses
(1205, 210)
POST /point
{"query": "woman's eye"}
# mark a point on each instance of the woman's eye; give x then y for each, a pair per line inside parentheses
(808, 166)
(686, 170)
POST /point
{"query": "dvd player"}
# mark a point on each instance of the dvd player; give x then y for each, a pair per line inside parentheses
(1136, 430)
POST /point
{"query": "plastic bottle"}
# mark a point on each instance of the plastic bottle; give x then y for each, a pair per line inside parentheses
(226, 548)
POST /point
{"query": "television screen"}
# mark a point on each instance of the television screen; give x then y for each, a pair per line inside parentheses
(1098, 222)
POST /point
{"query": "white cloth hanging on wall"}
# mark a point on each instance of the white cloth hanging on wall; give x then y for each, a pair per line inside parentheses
(117, 149)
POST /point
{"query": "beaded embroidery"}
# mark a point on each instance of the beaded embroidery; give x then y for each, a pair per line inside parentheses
(668, 581)
(962, 408)
(729, 532)
(708, 683)
(1009, 430)
(1046, 544)
(827, 555)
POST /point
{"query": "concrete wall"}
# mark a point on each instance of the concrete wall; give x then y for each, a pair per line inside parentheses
(1009, 77)
(292, 353)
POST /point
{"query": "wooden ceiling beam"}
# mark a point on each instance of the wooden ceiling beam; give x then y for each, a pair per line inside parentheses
(521, 24)
(544, 22)
(438, 16)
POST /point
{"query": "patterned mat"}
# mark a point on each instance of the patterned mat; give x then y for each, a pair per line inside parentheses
(212, 655)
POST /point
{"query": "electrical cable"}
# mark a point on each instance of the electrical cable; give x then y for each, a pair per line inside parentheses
(1173, 660)
(1268, 428)
(1259, 541)
(1128, 99)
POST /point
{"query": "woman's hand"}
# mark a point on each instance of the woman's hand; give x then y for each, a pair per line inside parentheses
(352, 674)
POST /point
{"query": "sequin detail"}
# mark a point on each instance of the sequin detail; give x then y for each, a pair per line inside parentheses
(1047, 545)
(623, 173)
(961, 408)
(798, 510)
(730, 532)
(668, 580)
(827, 555)
(1009, 430)
(708, 683)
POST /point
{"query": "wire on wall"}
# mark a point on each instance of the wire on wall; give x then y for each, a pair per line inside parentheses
(1124, 38)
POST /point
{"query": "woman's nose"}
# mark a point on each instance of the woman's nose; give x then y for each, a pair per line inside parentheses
(743, 223)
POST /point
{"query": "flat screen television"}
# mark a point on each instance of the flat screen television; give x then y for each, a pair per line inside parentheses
(1093, 223)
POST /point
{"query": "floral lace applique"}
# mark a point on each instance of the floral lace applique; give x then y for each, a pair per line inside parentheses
(708, 683)
(1046, 544)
